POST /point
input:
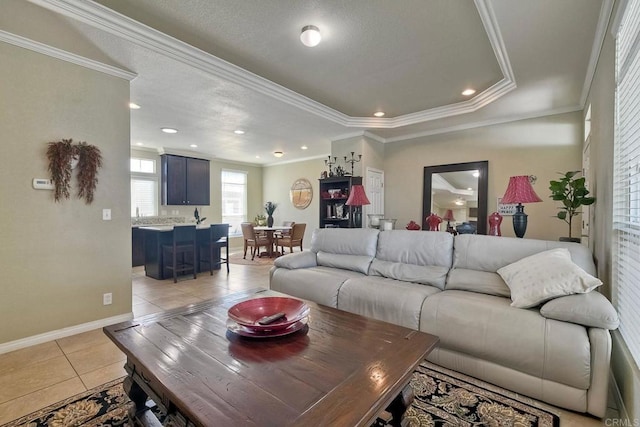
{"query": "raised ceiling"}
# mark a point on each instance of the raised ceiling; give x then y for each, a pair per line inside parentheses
(209, 67)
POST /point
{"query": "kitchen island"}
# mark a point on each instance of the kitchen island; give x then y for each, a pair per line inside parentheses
(156, 236)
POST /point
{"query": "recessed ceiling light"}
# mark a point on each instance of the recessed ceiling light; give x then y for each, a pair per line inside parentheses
(169, 130)
(468, 92)
(139, 143)
(469, 189)
(310, 36)
(278, 153)
(476, 174)
(379, 114)
(238, 132)
(459, 202)
(257, 157)
(193, 146)
(304, 147)
(134, 106)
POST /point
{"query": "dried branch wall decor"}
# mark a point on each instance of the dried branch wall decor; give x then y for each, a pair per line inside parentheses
(89, 161)
(60, 155)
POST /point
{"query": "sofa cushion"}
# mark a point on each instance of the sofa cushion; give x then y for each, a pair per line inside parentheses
(488, 328)
(350, 249)
(489, 253)
(414, 257)
(385, 299)
(544, 276)
(590, 309)
(304, 259)
(484, 282)
(318, 284)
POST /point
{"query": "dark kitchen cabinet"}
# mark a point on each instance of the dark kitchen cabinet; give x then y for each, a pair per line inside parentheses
(185, 181)
(137, 247)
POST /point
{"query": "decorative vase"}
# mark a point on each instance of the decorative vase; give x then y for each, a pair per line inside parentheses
(269, 221)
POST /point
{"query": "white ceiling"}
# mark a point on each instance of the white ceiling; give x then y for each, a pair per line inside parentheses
(208, 67)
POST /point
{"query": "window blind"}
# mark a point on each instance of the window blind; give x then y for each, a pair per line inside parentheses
(144, 196)
(234, 200)
(626, 179)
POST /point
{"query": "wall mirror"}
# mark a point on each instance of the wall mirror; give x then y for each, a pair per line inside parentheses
(461, 188)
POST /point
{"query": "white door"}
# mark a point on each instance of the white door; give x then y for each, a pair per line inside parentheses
(374, 188)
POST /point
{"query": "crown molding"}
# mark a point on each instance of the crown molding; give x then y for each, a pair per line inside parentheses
(606, 10)
(497, 121)
(103, 18)
(63, 55)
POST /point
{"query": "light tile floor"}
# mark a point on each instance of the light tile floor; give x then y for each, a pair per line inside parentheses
(35, 377)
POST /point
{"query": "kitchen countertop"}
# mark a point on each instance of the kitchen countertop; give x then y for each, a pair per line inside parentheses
(163, 228)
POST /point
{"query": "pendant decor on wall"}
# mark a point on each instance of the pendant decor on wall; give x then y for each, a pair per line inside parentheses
(65, 156)
(301, 193)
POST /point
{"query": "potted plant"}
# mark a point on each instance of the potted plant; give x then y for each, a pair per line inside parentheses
(571, 191)
(270, 208)
(260, 220)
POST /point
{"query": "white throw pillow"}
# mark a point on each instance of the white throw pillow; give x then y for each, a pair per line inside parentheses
(545, 275)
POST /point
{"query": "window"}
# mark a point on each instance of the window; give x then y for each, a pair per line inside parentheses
(144, 187)
(626, 179)
(234, 200)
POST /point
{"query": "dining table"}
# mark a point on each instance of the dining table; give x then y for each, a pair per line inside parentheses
(269, 232)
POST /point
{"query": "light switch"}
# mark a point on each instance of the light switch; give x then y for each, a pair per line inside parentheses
(106, 214)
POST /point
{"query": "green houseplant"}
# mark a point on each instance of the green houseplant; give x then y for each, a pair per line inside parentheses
(573, 193)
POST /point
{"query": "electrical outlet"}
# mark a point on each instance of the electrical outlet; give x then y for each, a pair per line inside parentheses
(106, 214)
(107, 299)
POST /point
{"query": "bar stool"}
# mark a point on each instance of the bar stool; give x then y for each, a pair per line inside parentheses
(218, 239)
(184, 243)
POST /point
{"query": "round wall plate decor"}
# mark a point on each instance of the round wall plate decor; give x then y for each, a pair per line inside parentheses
(301, 193)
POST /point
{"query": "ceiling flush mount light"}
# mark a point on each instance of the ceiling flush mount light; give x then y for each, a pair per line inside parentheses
(304, 147)
(169, 130)
(278, 153)
(310, 36)
(238, 132)
(139, 143)
(468, 92)
(193, 146)
(379, 114)
(134, 106)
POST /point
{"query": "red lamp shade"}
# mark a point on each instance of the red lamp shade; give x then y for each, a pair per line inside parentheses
(357, 197)
(448, 216)
(519, 190)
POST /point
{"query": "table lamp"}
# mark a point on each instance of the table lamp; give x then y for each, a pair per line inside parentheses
(520, 191)
(448, 216)
(357, 198)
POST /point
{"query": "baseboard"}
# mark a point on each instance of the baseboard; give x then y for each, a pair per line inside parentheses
(62, 333)
(617, 397)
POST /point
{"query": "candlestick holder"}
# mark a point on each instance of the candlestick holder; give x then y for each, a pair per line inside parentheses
(329, 163)
(352, 160)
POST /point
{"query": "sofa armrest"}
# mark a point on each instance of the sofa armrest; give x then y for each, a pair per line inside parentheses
(304, 259)
(591, 309)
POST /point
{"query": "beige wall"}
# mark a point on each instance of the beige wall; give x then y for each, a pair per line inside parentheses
(59, 258)
(278, 181)
(540, 147)
(602, 100)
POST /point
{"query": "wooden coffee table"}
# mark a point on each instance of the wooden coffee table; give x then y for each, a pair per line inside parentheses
(340, 370)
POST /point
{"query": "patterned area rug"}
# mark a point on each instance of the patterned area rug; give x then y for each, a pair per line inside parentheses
(443, 398)
(237, 259)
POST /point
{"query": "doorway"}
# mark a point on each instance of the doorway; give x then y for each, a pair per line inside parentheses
(375, 192)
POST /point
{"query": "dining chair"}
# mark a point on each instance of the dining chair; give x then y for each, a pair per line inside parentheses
(183, 244)
(218, 239)
(279, 233)
(293, 239)
(253, 240)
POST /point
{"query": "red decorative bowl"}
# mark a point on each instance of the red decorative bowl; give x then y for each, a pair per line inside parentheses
(248, 313)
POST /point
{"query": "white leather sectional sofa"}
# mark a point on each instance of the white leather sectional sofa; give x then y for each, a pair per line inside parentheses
(556, 351)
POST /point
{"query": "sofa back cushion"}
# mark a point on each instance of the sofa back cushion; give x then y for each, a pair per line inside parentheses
(418, 257)
(489, 254)
(347, 248)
